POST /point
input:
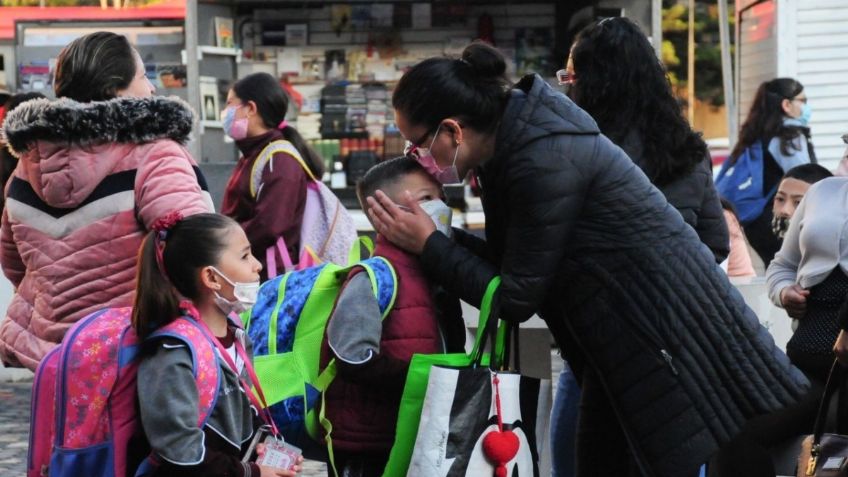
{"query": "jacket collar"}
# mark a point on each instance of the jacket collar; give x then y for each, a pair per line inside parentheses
(396, 255)
(119, 120)
(250, 147)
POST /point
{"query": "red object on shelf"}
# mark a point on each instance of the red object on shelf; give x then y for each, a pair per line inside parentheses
(166, 10)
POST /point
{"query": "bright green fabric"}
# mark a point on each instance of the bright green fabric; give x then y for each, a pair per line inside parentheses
(415, 388)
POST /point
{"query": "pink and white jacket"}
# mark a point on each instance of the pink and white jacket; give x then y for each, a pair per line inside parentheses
(92, 179)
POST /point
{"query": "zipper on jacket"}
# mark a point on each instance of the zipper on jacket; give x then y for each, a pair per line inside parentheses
(667, 358)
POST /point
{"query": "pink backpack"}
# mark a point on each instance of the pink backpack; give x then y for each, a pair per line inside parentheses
(327, 232)
(84, 404)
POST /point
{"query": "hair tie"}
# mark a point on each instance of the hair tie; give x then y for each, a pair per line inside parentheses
(283, 124)
(161, 227)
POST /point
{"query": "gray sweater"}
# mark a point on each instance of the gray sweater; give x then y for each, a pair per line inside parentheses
(817, 239)
(168, 401)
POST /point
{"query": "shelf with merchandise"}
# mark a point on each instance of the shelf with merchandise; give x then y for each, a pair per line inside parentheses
(209, 50)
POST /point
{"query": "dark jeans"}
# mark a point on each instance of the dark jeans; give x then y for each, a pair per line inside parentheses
(359, 465)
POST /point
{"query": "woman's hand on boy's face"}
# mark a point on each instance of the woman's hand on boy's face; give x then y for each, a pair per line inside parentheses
(408, 230)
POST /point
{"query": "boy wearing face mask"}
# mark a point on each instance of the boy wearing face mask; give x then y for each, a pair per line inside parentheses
(791, 190)
(373, 354)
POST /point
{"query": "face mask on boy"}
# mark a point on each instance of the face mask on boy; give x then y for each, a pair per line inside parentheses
(779, 225)
(441, 215)
(244, 292)
(235, 128)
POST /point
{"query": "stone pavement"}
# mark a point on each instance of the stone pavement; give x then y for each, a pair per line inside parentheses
(14, 427)
(14, 432)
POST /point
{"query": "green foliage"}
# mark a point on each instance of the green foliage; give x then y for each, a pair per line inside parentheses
(708, 83)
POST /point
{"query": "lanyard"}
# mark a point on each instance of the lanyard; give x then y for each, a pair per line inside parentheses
(261, 405)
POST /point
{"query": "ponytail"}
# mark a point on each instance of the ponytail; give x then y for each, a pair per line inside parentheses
(156, 301)
(765, 118)
(312, 159)
(272, 103)
(169, 262)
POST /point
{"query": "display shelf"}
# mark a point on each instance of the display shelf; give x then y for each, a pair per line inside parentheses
(215, 51)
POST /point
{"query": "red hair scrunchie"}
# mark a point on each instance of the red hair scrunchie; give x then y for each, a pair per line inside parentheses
(161, 227)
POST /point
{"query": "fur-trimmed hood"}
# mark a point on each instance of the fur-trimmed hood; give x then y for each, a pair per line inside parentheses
(119, 120)
(67, 149)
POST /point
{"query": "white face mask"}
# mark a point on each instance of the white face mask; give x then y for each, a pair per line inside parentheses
(441, 215)
(244, 292)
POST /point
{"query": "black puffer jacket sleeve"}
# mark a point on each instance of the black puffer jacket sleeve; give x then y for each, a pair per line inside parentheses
(457, 268)
(545, 196)
(694, 196)
(711, 227)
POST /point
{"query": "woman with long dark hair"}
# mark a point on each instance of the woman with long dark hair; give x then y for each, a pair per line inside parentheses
(97, 168)
(621, 83)
(671, 360)
(778, 120)
(268, 200)
(616, 77)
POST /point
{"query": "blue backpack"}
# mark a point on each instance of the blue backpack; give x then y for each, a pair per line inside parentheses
(742, 183)
(287, 326)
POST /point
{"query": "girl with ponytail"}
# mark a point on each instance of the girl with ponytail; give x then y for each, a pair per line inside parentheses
(199, 266)
(267, 201)
(778, 119)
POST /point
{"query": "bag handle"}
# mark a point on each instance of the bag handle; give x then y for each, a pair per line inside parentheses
(271, 258)
(834, 381)
(484, 316)
(511, 351)
(490, 329)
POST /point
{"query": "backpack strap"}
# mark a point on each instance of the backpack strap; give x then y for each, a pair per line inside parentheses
(205, 366)
(266, 157)
(384, 284)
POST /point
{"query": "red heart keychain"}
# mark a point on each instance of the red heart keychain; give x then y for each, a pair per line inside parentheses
(500, 446)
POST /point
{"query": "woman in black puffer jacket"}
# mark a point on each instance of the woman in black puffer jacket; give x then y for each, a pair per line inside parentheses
(673, 362)
(617, 78)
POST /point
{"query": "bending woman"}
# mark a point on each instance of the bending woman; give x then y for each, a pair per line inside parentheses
(672, 362)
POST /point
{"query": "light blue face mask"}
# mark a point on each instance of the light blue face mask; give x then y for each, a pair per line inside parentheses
(806, 112)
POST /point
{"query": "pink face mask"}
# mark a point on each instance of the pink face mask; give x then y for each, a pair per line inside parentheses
(446, 176)
(235, 128)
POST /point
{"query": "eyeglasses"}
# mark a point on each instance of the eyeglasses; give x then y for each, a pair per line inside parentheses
(564, 77)
(414, 148)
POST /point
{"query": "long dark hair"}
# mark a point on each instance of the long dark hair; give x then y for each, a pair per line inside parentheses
(194, 242)
(765, 119)
(94, 67)
(621, 83)
(273, 103)
(472, 88)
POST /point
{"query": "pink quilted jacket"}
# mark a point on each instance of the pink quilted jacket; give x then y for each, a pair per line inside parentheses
(92, 179)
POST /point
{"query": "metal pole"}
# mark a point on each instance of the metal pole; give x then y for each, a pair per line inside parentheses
(727, 72)
(656, 26)
(193, 74)
(690, 73)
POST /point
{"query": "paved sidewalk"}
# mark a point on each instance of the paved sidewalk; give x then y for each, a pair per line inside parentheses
(14, 432)
(14, 427)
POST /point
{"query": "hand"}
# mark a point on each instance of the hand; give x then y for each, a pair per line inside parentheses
(408, 229)
(794, 301)
(265, 471)
(840, 348)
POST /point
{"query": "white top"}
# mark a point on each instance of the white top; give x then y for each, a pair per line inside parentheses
(817, 239)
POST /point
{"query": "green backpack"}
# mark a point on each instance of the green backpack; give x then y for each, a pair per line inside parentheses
(287, 326)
